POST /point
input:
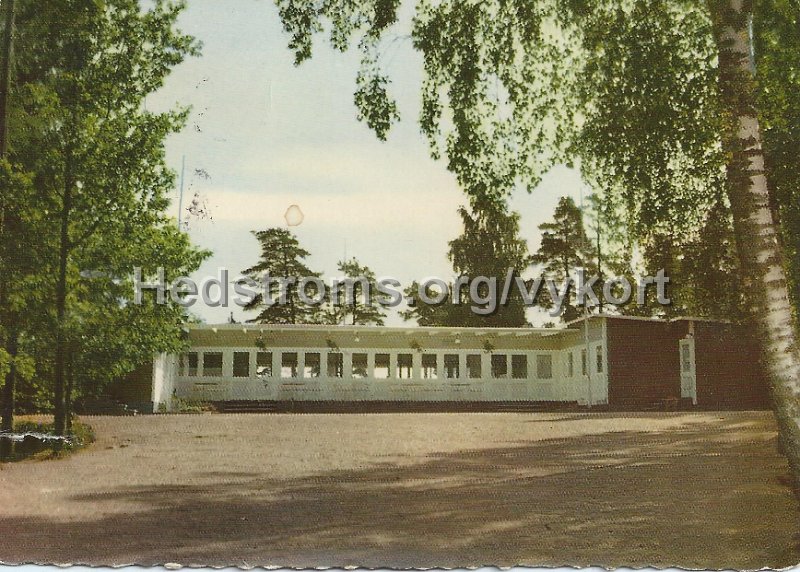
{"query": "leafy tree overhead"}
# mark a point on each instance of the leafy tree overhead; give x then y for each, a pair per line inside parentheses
(777, 59)
(95, 157)
(19, 256)
(282, 261)
(685, 112)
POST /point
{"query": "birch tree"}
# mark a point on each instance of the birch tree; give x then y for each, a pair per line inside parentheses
(507, 93)
(761, 258)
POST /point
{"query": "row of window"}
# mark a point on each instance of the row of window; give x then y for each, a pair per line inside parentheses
(598, 367)
(501, 365)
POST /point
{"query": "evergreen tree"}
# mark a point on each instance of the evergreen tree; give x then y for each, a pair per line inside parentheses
(489, 246)
(443, 314)
(354, 298)
(709, 269)
(282, 263)
(564, 248)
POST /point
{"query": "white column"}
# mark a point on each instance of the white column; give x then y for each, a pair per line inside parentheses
(227, 363)
(486, 366)
(276, 363)
(347, 365)
(323, 364)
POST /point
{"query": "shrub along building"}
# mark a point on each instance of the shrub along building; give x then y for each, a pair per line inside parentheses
(601, 362)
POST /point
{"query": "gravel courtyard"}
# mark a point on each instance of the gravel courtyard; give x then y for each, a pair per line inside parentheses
(693, 490)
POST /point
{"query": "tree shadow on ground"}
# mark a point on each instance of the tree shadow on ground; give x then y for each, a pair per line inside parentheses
(705, 496)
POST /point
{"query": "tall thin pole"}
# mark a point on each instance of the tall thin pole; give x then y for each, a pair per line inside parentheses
(588, 361)
(180, 196)
(5, 77)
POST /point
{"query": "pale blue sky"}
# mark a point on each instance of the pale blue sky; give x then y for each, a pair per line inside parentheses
(269, 134)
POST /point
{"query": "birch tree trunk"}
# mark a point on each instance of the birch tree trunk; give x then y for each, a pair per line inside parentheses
(761, 258)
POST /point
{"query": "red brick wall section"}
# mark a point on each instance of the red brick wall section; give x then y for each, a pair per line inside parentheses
(643, 363)
(729, 371)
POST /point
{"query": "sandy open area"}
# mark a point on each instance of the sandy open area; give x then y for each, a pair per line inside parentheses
(692, 490)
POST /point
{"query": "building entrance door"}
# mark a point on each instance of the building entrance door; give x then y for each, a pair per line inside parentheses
(688, 370)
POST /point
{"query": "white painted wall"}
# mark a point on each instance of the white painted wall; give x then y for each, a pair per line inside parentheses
(164, 373)
(561, 387)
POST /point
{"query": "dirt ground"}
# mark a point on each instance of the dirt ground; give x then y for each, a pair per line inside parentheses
(410, 490)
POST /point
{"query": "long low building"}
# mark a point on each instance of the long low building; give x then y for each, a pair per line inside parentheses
(603, 361)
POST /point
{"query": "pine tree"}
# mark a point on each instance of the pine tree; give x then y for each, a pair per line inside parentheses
(354, 297)
(281, 270)
(564, 248)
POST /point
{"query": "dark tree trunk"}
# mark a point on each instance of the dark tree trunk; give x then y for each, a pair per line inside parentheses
(12, 335)
(5, 78)
(70, 375)
(61, 349)
(12, 346)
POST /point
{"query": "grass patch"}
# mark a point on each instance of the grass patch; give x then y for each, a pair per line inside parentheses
(179, 405)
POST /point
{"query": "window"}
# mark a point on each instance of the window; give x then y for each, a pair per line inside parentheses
(241, 364)
(583, 362)
(335, 365)
(686, 359)
(405, 366)
(264, 364)
(474, 366)
(429, 362)
(451, 367)
(212, 364)
(570, 364)
(289, 365)
(499, 366)
(190, 364)
(519, 366)
(382, 366)
(544, 366)
(359, 366)
(312, 365)
(599, 359)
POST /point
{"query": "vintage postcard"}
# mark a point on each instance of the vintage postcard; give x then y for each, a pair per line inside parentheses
(402, 285)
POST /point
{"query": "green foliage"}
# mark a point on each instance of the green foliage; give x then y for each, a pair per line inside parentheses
(628, 89)
(363, 279)
(179, 405)
(564, 248)
(777, 57)
(92, 186)
(489, 246)
(498, 80)
(282, 258)
(662, 161)
(82, 435)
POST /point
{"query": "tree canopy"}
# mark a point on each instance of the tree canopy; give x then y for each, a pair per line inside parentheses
(97, 193)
